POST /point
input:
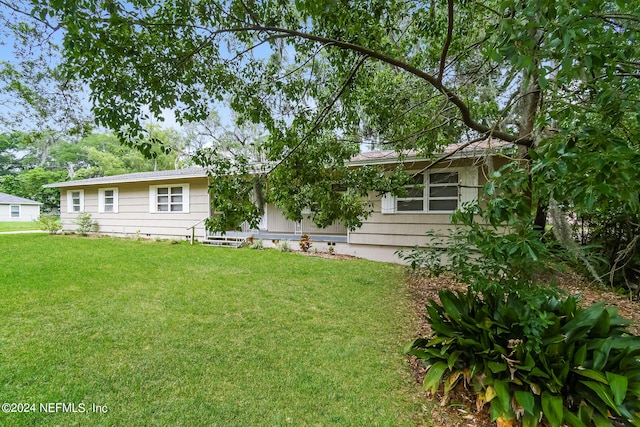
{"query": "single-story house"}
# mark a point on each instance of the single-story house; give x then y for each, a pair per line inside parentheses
(175, 203)
(18, 209)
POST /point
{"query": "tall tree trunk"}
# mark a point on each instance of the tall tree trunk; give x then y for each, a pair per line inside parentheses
(530, 106)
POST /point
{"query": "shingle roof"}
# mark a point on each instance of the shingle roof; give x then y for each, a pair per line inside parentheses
(15, 200)
(458, 150)
(134, 177)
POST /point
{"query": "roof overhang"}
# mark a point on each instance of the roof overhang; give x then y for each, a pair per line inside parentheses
(451, 152)
(179, 174)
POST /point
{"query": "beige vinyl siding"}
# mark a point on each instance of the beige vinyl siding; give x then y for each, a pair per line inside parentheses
(277, 223)
(399, 229)
(134, 216)
(407, 229)
(27, 213)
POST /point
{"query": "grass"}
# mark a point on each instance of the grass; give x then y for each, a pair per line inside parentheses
(163, 334)
(17, 226)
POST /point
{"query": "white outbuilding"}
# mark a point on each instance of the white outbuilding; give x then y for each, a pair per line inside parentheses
(18, 209)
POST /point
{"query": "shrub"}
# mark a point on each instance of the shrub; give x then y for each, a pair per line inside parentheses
(86, 224)
(284, 246)
(613, 237)
(305, 242)
(50, 223)
(257, 244)
(528, 357)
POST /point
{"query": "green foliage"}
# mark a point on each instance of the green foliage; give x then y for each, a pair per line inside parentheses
(531, 357)
(26, 165)
(29, 184)
(495, 243)
(305, 243)
(284, 246)
(85, 224)
(612, 237)
(9, 146)
(602, 196)
(50, 223)
(236, 188)
(257, 244)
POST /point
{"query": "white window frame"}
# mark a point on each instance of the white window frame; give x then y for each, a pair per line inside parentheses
(153, 198)
(429, 186)
(102, 200)
(70, 204)
(11, 211)
(467, 181)
(413, 198)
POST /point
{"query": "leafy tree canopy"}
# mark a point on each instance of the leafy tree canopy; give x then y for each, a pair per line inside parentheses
(558, 79)
(24, 168)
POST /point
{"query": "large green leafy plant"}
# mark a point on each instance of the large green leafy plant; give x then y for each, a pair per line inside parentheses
(529, 357)
(526, 351)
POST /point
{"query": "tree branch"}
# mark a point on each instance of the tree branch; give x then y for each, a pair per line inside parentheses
(621, 16)
(311, 58)
(447, 40)
(249, 12)
(323, 113)
(447, 155)
(463, 108)
(455, 99)
(32, 16)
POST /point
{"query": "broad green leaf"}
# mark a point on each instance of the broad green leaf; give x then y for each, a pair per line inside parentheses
(434, 376)
(593, 374)
(449, 302)
(527, 400)
(580, 356)
(578, 327)
(529, 420)
(552, 407)
(500, 414)
(604, 394)
(453, 358)
(601, 355)
(585, 413)
(572, 419)
(601, 325)
(539, 373)
(601, 421)
(497, 366)
(618, 385)
(496, 409)
(502, 391)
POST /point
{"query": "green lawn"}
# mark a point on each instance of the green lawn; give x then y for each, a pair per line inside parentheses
(18, 226)
(172, 334)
